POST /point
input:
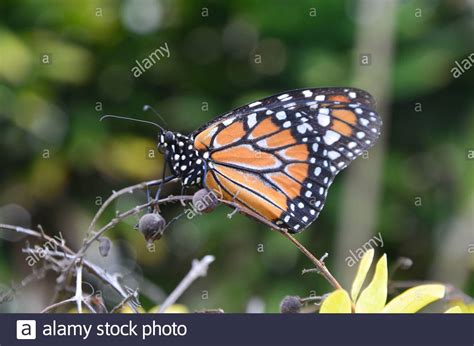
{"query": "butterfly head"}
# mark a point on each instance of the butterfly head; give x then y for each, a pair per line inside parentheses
(182, 157)
(165, 140)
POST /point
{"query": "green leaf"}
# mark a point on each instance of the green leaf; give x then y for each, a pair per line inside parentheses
(415, 299)
(373, 298)
(338, 302)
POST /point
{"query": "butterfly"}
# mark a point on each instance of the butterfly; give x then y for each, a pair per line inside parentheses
(277, 156)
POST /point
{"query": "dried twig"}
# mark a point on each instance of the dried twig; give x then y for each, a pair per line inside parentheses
(125, 300)
(58, 304)
(115, 195)
(78, 296)
(71, 263)
(198, 269)
(97, 271)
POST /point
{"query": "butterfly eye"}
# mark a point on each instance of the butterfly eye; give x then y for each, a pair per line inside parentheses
(169, 136)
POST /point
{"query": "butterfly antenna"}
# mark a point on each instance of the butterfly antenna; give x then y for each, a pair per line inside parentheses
(148, 107)
(131, 119)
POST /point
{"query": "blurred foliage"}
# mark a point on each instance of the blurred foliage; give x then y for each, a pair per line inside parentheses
(59, 161)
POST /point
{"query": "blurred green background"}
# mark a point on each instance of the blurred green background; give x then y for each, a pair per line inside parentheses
(65, 63)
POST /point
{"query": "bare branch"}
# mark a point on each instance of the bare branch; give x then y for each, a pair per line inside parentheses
(198, 269)
(92, 268)
(115, 195)
(71, 263)
(58, 304)
(125, 300)
(79, 296)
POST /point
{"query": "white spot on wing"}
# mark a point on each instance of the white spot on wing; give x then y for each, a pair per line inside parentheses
(331, 137)
(323, 120)
(324, 111)
(227, 122)
(307, 93)
(262, 143)
(303, 127)
(255, 104)
(252, 120)
(333, 155)
(281, 115)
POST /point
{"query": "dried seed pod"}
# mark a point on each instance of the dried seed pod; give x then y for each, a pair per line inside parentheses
(205, 201)
(104, 246)
(405, 263)
(151, 226)
(290, 305)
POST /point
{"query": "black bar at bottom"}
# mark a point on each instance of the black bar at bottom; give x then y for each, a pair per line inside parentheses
(238, 329)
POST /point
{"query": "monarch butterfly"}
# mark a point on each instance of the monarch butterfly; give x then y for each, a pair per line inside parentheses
(277, 156)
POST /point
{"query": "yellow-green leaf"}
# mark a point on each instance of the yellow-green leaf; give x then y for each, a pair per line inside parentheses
(128, 310)
(465, 308)
(173, 309)
(373, 298)
(338, 302)
(454, 310)
(415, 298)
(364, 266)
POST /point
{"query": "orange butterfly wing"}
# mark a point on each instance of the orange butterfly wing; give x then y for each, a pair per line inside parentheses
(278, 156)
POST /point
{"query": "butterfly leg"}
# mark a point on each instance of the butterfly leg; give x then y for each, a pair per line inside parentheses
(183, 191)
(148, 198)
(157, 195)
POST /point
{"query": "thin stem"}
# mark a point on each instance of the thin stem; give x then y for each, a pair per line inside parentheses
(116, 194)
(317, 263)
(79, 296)
(320, 266)
(93, 268)
(58, 304)
(198, 269)
(125, 300)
